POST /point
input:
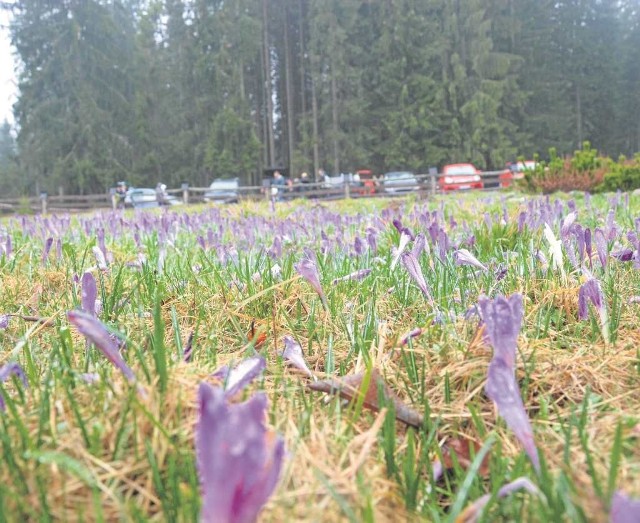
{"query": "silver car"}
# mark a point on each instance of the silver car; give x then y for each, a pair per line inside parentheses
(143, 198)
(223, 190)
(399, 182)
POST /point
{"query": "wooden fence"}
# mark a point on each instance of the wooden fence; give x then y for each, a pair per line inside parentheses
(335, 189)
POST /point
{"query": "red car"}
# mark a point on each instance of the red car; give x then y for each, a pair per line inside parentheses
(460, 176)
(515, 171)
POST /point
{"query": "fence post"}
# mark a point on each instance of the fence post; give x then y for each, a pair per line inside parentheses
(114, 198)
(43, 202)
(185, 193)
(433, 173)
(347, 188)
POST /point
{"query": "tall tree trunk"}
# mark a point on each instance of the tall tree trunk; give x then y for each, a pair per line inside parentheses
(268, 83)
(334, 120)
(579, 116)
(314, 116)
(288, 93)
(303, 90)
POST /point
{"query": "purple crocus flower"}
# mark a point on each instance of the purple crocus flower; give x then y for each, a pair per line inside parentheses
(588, 245)
(402, 229)
(601, 246)
(419, 245)
(4, 321)
(623, 255)
(244, 373)
(357, 275)
(89, 292)
(45, 251)
(8, 370)
(239, 460)
(96, 332)
(309, 271)
(413, 333)
(591, 291)
(293, 354)
(503, 319)
(472, 513)
(464, 257)
(624, 509)
(372, 235)
(359, 246)
(410, 263)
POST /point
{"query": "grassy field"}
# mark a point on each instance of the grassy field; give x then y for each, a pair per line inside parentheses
(82, 443)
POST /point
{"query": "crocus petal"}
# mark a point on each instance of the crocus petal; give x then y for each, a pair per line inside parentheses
(410, 263)
(624, 509)
(566, 224)
(89, 292)
(503, 390)
(4, 320)
(397, 251)
(244, 373)
(591, 291)
(555, 248)
(45, 251)
(8, 370)
(293, 354)
(357, 275)
(413, 333)
(96, 332)
(464, 257)
(472, 513)
(239, 460)
(419, 245)
(187, 353)
(503, 320)
(309, 271)
(402, 229)
(601, 246)
(101, 261)
(623, 255)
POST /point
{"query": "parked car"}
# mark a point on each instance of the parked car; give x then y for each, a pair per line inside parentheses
(518, 168)
(459, 177)
(367, 182)
(140, 198)
(223, 190)
(399, 182)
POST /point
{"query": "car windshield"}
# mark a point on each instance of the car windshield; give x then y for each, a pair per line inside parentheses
(460, 169)
(224, 184)
(398, 175)
(526, 166)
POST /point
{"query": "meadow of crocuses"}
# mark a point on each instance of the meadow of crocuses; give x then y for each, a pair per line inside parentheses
(467, 358)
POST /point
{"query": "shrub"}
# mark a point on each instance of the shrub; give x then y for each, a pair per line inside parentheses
(585, 171)
(624, 175)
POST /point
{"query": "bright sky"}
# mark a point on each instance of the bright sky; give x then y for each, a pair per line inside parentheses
(7, 75)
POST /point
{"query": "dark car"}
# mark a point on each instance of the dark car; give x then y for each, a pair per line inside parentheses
(223, 190)
(396, 182)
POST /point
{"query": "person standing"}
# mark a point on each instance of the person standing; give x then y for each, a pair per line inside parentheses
(121, 193)
(161, 194)
(277, 185)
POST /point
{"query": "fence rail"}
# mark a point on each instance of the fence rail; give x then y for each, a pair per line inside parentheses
(334, 189)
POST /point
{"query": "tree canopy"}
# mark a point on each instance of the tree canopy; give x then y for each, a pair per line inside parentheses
(188, 90)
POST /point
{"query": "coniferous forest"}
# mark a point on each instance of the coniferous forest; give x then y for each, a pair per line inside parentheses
(185, 91)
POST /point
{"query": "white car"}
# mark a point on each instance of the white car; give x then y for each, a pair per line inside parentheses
(143, 198)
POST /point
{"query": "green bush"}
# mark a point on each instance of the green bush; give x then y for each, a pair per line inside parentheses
(623, 175)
